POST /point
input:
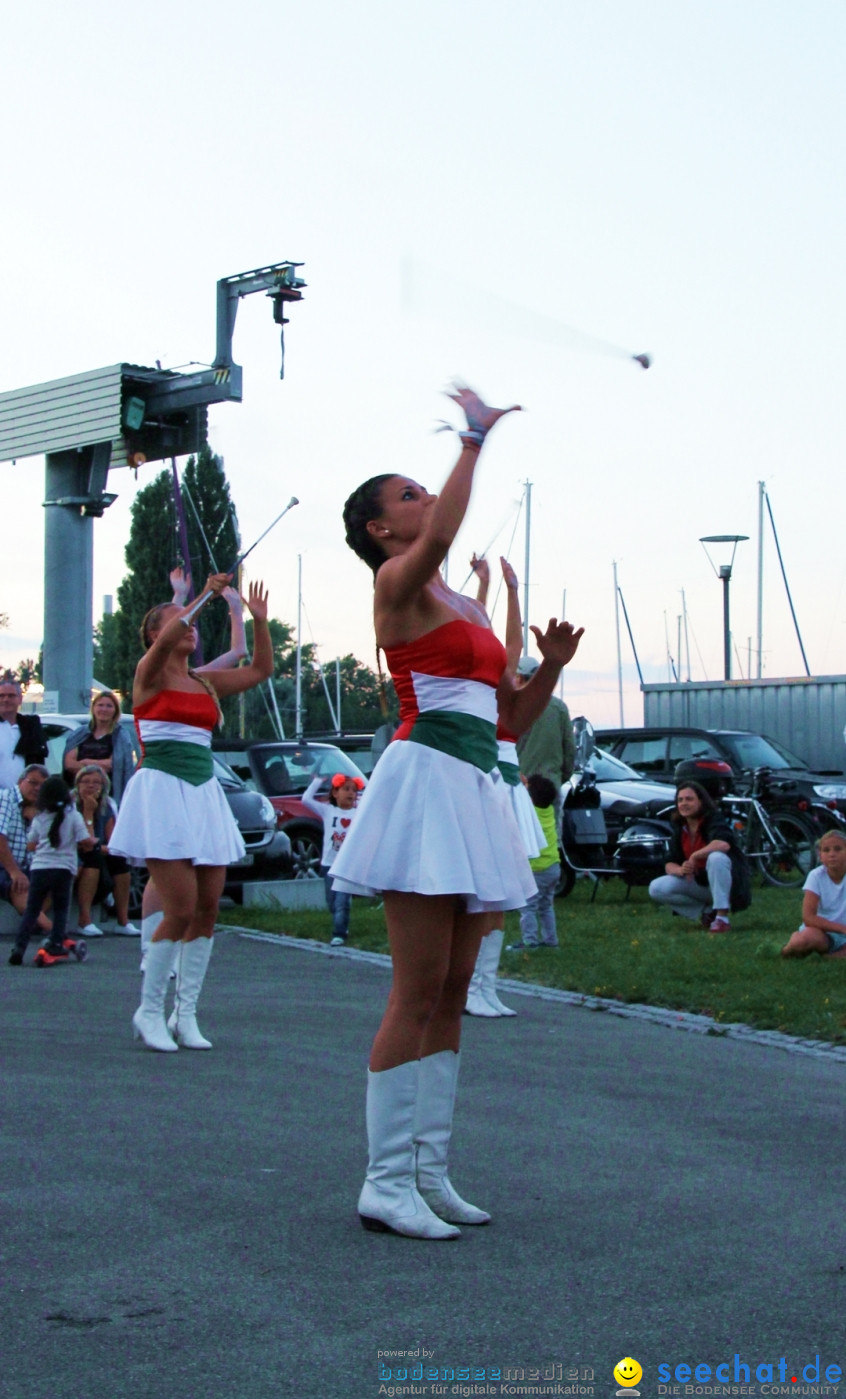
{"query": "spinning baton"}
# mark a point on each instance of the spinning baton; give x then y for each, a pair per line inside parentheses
(188, 617)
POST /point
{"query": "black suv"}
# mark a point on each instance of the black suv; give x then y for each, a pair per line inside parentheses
(656, 751)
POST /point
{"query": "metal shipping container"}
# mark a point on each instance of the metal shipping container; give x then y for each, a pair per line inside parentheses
(806, 715)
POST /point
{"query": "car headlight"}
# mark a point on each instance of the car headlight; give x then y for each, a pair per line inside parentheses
(267, 812)
(831, 791)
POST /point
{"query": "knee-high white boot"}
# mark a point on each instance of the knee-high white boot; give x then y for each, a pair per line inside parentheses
(389, 1201)
(148, 1022)
(191, 966)
(477, 1002)
(490, 953)
(432, 1132)
(149, 925)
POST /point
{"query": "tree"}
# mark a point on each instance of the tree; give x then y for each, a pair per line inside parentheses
(154, 548)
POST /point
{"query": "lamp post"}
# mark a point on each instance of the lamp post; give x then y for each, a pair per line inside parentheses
(723, 572)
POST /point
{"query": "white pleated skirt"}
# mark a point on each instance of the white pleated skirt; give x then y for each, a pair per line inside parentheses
(530, 828)
(163, 818)
(432, 824)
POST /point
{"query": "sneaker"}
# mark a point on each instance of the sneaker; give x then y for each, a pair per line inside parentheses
(91, 931)
(720, 925)
(15, 958)
(338, 942)
(126, 930)
(706, 918)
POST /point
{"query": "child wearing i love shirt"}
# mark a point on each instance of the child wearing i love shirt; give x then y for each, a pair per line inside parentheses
(337, 816)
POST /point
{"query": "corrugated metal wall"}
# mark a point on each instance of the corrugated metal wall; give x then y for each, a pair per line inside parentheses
(65, 413)
(806, 715)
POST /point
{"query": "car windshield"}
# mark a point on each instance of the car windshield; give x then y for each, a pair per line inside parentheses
(224, 774)
(750, 751)
(291, 769)
(610, 769)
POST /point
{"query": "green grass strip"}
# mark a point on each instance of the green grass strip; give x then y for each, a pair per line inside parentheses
(632, 951)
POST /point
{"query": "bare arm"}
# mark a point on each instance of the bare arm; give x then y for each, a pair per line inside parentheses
(519, 708)
(152, 663)
(260, 667)
(481, 568)
(811, 919)
(513, 620)
(238, 635)
(400, 578)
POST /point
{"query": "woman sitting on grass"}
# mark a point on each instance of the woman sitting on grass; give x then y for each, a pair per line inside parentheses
(823, 926)
(707, 874)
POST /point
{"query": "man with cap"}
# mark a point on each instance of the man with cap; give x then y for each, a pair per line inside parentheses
(548, 747)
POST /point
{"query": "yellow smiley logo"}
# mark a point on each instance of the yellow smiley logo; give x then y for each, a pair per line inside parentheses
(627, 1372)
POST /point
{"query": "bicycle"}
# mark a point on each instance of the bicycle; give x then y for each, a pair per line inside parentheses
(780, 840)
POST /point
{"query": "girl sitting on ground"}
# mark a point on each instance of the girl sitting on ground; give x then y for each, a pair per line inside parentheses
(823, 927)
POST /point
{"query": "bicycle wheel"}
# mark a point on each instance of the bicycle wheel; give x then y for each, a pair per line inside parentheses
(787, 865)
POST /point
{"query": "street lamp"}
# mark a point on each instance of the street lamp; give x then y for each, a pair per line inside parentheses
(723, 572)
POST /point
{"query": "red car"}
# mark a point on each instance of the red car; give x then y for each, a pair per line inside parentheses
(282, 770)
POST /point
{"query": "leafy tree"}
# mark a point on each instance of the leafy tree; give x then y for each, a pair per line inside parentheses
(154, 548)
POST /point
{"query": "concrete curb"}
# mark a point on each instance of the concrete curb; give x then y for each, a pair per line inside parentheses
(654, 1015)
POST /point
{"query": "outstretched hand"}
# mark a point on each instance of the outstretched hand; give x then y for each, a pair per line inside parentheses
(481, 568)
(180, 582)
(559, 643)
(480, 416)
(234, 599)
(508, 574)
(257, 602)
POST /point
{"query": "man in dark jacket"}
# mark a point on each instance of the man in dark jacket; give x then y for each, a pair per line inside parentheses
(22, 739)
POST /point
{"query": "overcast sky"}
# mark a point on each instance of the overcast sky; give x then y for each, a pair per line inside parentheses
(666, 176)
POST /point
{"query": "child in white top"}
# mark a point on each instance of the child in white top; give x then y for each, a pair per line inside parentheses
(337, 816)
(55, 835)
(824, 905)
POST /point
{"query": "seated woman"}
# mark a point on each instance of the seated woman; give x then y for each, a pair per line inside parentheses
(91, 794)
(707, 875)
(102, 741)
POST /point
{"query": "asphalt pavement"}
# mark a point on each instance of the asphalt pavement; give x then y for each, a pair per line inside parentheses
(185, 1225)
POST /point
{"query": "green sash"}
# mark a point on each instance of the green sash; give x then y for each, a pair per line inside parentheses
(463, 736)
(190, 762)
(510, 773)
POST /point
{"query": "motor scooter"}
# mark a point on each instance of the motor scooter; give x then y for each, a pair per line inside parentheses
(641, 848)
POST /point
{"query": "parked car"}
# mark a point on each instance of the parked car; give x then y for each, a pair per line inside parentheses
(656, 751)
(282, 771)
(624, 792)
(268, 853)
(359, 747)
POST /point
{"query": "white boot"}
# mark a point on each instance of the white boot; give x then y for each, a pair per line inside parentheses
(148, 927)
(487, 964)
(191, 966)
(477, 1002)
(389, 1201)
(148, 1022)
(432, 1132)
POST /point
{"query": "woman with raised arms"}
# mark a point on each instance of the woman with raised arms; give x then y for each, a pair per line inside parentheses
(435, 833)
(174, 816)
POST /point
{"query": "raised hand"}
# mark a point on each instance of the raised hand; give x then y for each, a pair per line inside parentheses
(508, 574)
(180, 582)
(217, 583)
(257, 602)
(480, 415)
(481, 568)
(559, 643)
(234, 599)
